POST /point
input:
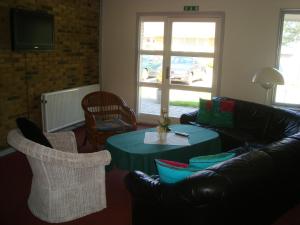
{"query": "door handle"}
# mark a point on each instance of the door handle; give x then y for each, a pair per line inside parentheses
(168, 72)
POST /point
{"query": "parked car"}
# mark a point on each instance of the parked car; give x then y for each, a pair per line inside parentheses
(186, 70)
(151, 67)
(183, 69)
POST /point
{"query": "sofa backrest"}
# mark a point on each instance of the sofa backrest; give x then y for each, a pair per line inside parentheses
(267, 180)
(252, 118)
(283, 123)
(265, 122)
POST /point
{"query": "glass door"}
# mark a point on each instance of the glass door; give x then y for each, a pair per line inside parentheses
(178, 62)
(150, 67)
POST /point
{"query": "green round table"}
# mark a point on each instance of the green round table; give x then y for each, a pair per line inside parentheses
(129, 152)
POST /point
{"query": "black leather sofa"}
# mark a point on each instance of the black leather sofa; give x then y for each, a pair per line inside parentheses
(255, 125)
(254, 188)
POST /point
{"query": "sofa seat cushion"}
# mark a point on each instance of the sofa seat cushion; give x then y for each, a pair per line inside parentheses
(232, 138)
(239, 150)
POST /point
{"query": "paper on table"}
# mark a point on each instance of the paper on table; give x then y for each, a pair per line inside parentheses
(171, 139)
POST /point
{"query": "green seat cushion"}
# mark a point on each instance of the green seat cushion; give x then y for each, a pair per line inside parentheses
(204, 115)
(203, 162)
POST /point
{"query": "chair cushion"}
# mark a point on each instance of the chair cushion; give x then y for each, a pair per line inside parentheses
(112, 125)
(32, 132)
(203, 162)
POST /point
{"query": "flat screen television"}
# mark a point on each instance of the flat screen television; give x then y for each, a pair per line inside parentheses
(32, 30)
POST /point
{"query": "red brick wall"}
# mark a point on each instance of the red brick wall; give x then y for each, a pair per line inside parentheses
(74, 62)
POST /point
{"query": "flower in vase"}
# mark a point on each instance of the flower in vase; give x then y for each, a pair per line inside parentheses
(164, 121)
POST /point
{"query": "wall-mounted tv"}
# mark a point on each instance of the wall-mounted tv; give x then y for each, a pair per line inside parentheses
(32, 30)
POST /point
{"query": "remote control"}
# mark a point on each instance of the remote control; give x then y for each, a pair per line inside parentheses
(182, 134)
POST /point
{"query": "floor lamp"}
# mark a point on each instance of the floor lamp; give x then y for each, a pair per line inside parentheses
(268, 77)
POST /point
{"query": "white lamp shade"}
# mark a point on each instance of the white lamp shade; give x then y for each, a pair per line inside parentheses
(268, 77)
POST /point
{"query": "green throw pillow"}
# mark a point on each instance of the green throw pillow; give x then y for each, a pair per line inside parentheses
(203, 162)
(222, 113)
(204, 115)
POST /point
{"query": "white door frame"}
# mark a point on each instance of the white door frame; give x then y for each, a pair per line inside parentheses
(165, 86)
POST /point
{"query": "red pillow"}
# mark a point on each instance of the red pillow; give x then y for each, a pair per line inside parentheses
(173, 163)
(227, 106)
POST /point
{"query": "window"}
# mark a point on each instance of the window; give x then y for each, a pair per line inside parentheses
(289, 59)
(178, 62)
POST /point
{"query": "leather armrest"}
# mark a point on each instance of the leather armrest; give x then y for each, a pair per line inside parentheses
(188, 117)
(205, 187)
(142, 185)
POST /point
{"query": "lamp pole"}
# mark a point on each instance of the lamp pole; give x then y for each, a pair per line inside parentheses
(267, 86)
(267, 97)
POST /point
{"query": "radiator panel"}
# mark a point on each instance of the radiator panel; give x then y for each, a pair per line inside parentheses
(61, 109)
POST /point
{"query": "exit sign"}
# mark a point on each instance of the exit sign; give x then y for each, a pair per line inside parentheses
(192, 8)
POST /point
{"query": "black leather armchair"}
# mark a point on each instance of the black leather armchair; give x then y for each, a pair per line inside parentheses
(255, 187)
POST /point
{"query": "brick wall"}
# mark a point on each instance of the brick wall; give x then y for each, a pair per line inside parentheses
(74, 62)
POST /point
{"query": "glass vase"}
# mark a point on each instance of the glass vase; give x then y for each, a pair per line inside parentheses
(162, 134)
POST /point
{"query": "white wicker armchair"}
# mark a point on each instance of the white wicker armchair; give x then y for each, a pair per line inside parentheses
(65, 185)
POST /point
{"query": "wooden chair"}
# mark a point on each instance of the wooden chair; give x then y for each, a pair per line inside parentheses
(106, 114)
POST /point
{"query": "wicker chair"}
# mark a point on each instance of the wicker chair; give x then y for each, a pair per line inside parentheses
(65, 185)
(106, 114)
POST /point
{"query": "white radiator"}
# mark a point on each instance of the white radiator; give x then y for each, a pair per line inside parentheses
(61, 109)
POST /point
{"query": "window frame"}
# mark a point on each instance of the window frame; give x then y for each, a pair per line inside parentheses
(283, 12)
